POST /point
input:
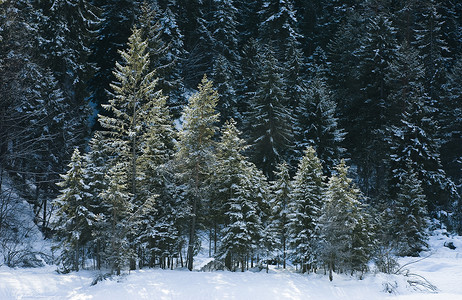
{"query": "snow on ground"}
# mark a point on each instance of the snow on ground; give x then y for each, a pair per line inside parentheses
(443, 268)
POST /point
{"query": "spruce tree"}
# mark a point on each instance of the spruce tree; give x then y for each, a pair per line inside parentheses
(165, 47)
(195, 153)
(269, 118)
(112, 36)
(304, 210)
(372, 111)
(451, 126)
(138, 136)
(74, 218)
(239, 202)
(281, 189)
(432, 46)
(116, 224)
(341, 227)
(317, 125)
(410, 221)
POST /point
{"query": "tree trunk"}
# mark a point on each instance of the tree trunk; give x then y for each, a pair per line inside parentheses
(330, 271)
(228, 261)
(283, 251)
(192, 231)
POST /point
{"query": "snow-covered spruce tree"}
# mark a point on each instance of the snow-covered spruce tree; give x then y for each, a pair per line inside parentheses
(269, 117)
(96, 163)
(224, 35)
(195, 155)
(432, 47)
(304, 210)
(118, 250)
(413, 141)
(247, 83)
(74, 219)
(137, 128)
(165, 47)
(371, 112)
(229, 199)
(157, 150)
(193, 18)
(243, 236)
(345, 242)
(451, 126)
(224, 78)
(280, 199)
(410, 221)
(317, 125)
(112, 36)
(171, 77)
(226, 178)
(278, 24)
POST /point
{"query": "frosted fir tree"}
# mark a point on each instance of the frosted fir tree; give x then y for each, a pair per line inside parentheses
(165, 47)
(451, 124)
(231, 205)
(410, 220)
(247, 82)
(97, 165)
(433, 49)
(279, 25)
(74, 219)
(414, 142)
(138, 134)
(195, 155)
(280, 199)
(135, 102)
(372, 112)
(306, 198)
(226, 178)
(223, 74)
(157, 232)
(317, 125)
(193, 19)
(117, 225)
(223, 28)
(243, 235)
(342, 220)
(269, 117)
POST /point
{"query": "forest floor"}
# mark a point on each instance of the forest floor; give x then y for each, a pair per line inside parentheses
(441, 267)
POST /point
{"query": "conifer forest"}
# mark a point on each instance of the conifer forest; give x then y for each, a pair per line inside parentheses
(323, 133)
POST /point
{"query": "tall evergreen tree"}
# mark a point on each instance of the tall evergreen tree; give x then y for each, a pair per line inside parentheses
(317, 125)
(410, 221)
(165, 47)
(238, 202)
(432, 47)
(193, 17)
(112, 36)
(195, 153)
(451, 124)
(269, 118)
(75, 219)
(138, 136)
(342, 219)
(371, 112)
(304, 210)
(279, 26)
(281, 189)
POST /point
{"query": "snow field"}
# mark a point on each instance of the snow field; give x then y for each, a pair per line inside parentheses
(442, 268)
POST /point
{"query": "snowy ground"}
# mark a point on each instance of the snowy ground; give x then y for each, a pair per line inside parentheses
(443, 268)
